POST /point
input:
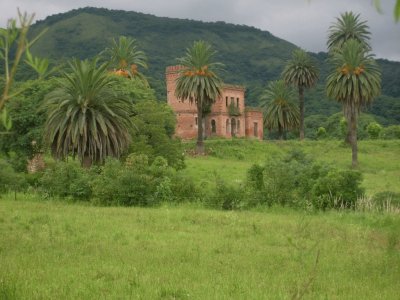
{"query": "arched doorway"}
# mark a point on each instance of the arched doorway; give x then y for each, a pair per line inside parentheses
(233, 127)
(213, 126)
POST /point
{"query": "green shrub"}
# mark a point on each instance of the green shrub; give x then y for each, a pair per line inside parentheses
(374, 129)
(338, 189)
(136, 182)
(297, 180)
(321, 133)
(128, 184)
(66, 179)
(227, 197)
(183, 189)
(9, 179)
(390, 132)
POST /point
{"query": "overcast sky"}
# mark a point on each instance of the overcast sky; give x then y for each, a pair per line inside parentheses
(302, 22)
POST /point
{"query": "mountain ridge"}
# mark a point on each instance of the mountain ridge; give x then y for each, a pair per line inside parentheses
(252, 56)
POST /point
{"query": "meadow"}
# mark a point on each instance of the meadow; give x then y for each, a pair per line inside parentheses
(54, 250)
(230, 160)
(57, 249)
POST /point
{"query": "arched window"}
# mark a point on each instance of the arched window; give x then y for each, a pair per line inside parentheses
(238, 126)
(233, 127)
(228, 127)
(213, 126)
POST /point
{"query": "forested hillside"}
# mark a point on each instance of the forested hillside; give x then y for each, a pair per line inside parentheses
(252, 57)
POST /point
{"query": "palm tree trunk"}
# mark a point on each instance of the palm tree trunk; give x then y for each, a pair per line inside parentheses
(347, 139)
(280, 131)
(200, 143)
(301, 108)
(353, 139)
(86, 162)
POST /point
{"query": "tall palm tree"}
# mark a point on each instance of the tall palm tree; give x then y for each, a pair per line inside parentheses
(198, 82)
(85, 117)
(126, 57)
(354, 81)
(280, 111)
(348, 26)
(302, 73)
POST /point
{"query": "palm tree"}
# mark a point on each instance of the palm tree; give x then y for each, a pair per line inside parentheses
(280, 111)
(354, 81)
(126, 57)
(198, 82)
(348, 26)
(302, 73)
(85, 117)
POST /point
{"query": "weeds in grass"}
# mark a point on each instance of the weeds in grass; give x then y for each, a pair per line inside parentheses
(304, 246)
(367, 204)
(8, 289)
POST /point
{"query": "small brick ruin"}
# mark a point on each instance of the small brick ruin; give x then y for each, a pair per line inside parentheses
(229, 116)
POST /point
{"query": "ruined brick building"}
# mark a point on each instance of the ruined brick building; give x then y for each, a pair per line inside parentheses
(229, 116)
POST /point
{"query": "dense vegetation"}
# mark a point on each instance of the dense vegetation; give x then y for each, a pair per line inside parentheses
(252, 57)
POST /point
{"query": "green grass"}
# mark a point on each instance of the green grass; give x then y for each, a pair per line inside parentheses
(51, 250)
(379, 161)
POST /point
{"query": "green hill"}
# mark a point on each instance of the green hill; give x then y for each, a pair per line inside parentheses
(252, 56)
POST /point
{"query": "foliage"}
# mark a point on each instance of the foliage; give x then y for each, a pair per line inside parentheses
(354, 81)
(280, 112)
(297, 180)
(26, 137)
(321, 133)
(374, 129)
(13, 44)
(9, 179)
(198, 81)
(152, 133)
(136, 182)
(337, 189)
(347, 27)
(85, 117)
(390, 132)
(301, 72)
(134, 90)
(66, 180)
(125, 56)
(336, 126)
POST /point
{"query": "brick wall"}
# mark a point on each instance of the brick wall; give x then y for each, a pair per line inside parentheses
(227, 118)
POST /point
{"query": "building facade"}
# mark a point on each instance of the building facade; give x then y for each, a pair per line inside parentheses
(229, 117)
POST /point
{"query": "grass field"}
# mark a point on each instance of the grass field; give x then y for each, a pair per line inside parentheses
(53, 250)
(379, 161)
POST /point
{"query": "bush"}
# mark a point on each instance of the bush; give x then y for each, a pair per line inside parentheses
(321, 133)
(297, 180)
(9, 179)
(137, 182)
(338, 189)
(227, 197)
(390, 132)
(128, 184)
(374, 129)
(66, 179)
